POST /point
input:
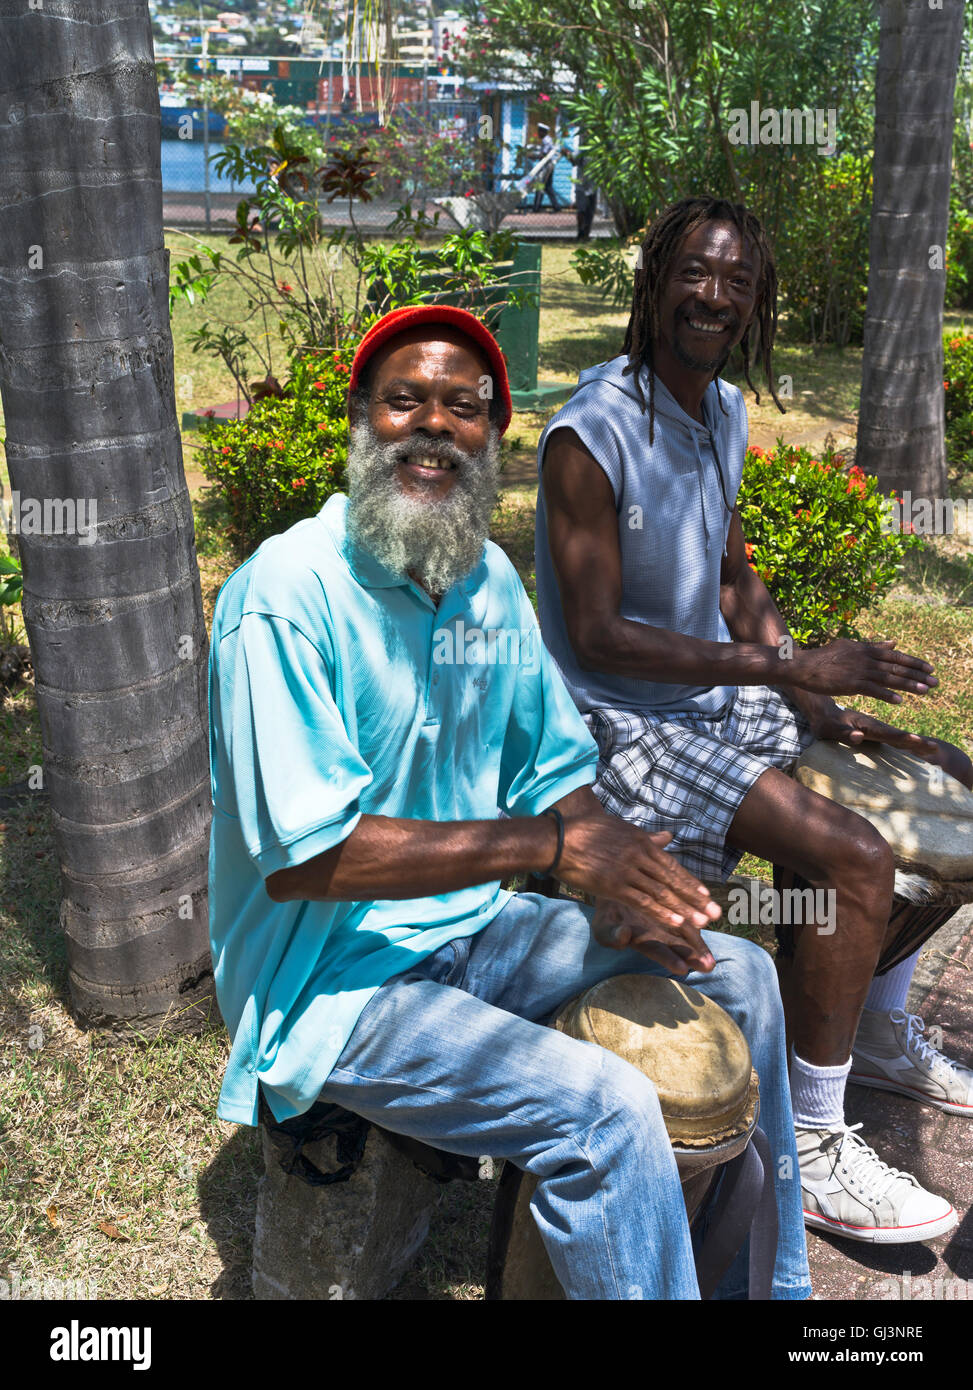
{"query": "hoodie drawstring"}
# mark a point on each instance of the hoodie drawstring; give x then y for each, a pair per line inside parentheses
(699, 486)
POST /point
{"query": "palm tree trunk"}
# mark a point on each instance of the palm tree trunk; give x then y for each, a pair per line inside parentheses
(900, 430)
(114, 616)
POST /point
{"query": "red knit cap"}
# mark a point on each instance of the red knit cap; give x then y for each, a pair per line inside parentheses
(400, 319)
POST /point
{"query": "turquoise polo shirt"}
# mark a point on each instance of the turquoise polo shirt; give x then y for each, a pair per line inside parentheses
(338, 689)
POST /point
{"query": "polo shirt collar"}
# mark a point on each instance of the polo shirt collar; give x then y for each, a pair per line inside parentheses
(369, 571)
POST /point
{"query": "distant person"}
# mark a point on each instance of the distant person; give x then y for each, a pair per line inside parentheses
(585, 196)
(547, 146)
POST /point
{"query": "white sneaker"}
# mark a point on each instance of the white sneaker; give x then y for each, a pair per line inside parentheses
(891, 1054)
(849, 1191)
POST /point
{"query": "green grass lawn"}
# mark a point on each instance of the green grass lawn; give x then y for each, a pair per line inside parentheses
(113, 1166)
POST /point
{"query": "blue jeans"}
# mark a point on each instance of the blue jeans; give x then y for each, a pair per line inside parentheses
(454, 1052)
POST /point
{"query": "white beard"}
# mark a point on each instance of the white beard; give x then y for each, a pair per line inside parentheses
(439, 541)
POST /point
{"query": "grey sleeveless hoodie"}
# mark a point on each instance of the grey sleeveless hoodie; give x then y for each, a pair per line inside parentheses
(672, 525)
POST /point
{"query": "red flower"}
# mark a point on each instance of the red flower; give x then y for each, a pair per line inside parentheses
(803, 511)
(225, 449)
(850, 541)
(945, 385)
(298, 483)
(320, 385)
(750, 549)
(284, 287)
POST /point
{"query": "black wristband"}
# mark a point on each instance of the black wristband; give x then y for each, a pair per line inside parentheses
(553, 811)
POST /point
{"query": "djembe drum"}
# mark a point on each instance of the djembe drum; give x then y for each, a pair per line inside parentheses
(925, 816)
(699, 1063)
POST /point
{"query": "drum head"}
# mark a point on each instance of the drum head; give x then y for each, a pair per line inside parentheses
(690, 1048)
(925, 816)
(698, 1061)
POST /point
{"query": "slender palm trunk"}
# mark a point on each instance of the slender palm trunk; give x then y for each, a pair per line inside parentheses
(900, 430)
(113, 614)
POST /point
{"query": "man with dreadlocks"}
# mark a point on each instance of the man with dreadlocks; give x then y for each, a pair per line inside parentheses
(672, 649)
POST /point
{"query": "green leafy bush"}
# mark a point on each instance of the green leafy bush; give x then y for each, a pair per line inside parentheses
(958, 386)
(822, 257)
(959, 258)
(11, 593)
(285, 458)
(818, 536)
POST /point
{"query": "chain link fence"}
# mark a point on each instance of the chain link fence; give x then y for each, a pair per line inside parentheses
(535, 193)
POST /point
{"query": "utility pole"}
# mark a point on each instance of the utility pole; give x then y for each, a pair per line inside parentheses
(204, 31)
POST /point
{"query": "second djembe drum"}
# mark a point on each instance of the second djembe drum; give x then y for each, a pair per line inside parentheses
(925, 816)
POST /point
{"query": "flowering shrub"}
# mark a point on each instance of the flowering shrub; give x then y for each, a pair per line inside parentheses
(285, 458)
(958, 386)
(817, 535)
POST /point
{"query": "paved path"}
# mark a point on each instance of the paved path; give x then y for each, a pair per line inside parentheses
(937, 1148)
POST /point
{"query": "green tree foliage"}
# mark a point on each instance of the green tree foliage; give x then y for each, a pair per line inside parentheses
(653, 88)
(821, 537)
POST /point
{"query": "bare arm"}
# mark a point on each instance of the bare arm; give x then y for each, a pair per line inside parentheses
(583, 531)
(752, 615)
(602, 855)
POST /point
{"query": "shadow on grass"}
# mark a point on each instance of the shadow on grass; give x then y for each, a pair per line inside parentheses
(950, 577)
(570, 355)
(228, 1204)
(32, 947)
(210, 516)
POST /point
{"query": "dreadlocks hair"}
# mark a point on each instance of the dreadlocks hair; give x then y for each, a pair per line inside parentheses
(656, 256)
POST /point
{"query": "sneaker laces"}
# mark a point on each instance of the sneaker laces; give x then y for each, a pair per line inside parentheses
(872, 1175)
(915, 1042)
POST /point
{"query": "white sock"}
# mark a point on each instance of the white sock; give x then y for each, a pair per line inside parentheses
(890, 991)
(818, 1093)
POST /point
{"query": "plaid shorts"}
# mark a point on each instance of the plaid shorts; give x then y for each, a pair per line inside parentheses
(688, 773)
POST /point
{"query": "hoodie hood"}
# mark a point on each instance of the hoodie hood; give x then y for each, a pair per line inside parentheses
(613, 373)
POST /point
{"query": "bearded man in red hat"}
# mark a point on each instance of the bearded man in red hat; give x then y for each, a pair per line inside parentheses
(390, 741)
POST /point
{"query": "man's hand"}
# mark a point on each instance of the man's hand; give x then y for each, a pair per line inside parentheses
(874, 669)
(621, 928)
(608, 857)
(848, 726)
